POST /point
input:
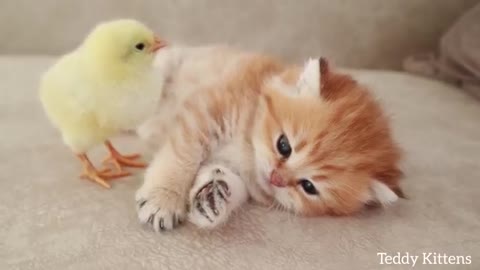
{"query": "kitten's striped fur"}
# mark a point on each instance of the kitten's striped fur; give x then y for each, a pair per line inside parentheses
(231, 108)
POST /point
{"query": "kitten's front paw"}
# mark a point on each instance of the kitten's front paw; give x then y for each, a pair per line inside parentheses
(216, 193)
(209, 200)
(160, 208)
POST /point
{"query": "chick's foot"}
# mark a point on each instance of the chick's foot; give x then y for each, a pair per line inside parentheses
(99, 177)
(119, 161)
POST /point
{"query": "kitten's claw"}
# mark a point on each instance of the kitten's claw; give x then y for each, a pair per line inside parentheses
(209, 198)
(211, 202)
(202, 211)
(216, 193)
(160, 209)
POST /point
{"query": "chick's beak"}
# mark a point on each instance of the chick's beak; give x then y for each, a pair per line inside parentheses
(157, 44)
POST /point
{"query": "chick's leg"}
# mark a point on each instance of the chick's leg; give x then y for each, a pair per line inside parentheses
(119, 160)
(100, 177)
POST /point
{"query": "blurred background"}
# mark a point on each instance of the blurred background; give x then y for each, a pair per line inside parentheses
(361, 34)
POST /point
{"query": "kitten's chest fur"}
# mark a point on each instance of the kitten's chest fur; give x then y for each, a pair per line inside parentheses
(219, 84)
(185, 71)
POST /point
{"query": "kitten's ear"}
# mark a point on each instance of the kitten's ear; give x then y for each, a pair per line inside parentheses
(324, 70)
(313, 77)
(308, 83)
(382, 194)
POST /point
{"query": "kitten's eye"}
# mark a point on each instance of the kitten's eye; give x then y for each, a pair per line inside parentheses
(283, 146)
(140, 46)
(308, 186)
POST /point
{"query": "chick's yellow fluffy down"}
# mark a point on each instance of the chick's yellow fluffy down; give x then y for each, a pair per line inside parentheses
(104, 86)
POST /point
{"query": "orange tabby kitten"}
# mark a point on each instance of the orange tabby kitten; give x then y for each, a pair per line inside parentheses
(244, 125)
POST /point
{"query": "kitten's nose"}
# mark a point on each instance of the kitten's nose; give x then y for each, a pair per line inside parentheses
(276, 179)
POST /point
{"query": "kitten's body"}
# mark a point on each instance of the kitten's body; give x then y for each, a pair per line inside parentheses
(221, 115)
(186, 70)
(209, 70)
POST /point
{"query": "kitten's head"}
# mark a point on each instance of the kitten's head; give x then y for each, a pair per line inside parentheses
(323, 144)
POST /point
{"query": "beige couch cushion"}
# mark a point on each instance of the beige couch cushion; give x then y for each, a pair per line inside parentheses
(367, 33)
(49, 219)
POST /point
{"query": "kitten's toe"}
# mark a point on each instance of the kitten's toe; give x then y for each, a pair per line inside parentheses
(208, 207)
(222, 190)
(160, 209)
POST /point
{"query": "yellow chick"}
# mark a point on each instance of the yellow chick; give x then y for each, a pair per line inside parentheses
(103, 87)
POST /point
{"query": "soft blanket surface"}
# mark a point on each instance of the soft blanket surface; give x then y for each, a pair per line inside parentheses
(50, 219)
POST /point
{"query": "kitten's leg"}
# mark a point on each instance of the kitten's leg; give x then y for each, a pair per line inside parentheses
(162, 199)
(216, 193)
(195, 133)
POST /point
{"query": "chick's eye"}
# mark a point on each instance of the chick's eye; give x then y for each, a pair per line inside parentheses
(308, 187)
(283, 146)
(140, 46)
